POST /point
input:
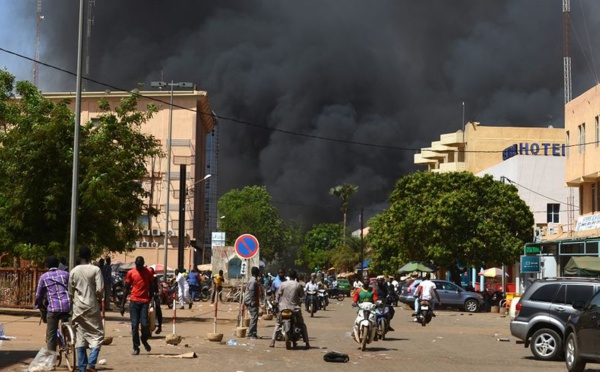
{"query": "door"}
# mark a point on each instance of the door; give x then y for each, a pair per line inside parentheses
(588, 328)
(449, 293)
(562, 307)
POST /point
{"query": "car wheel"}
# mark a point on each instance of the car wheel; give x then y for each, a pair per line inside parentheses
(471, 305)
(572, 359)
(545, 344)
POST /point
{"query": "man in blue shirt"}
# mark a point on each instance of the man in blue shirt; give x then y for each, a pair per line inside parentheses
(53, 286)
(194, 283)
(280, 278)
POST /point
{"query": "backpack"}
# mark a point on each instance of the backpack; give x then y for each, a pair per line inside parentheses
(335, 357)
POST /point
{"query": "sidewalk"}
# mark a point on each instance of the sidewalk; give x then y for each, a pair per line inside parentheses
(192, 325)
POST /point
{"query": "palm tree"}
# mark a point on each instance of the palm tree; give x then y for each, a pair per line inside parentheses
(344, 192)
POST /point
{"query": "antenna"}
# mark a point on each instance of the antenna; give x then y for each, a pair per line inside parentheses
(37, 42)
(566, 57)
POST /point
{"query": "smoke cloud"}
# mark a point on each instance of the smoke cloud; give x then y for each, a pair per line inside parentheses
(392, 73)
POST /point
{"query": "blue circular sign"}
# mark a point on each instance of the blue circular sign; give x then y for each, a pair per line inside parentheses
(246, 246)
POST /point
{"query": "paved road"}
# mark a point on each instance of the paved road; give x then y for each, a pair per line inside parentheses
(454, 341)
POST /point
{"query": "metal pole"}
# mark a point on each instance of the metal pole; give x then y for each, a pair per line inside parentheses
(362, 244)
(75, 181)
(168, 181)
(181, 233)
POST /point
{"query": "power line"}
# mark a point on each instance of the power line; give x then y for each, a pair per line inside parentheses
(254, 125)
(535, 192)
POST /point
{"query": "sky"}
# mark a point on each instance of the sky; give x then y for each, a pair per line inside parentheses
(380, 79)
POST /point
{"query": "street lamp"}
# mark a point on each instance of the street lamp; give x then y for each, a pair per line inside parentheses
(161, 84)
(182, 195)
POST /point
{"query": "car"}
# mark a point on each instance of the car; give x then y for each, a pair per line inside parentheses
(407, 292)
(542, 313)
(450, 294)
(344, 286)
(581, 335)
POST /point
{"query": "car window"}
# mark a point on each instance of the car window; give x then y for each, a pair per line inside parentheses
(446, 286)
(594, 302)
(570, 293)
(545, 293)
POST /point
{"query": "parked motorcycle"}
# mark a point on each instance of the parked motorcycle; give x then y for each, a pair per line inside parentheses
(291, 332)
(205, 292)
(172, 294)
(313, 302)
(382, 313)
(425, 312)
(118, 289)
(365, 324)
(270, 305)
(323, 299)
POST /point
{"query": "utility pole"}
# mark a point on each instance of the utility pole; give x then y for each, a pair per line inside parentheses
(37, 42)
(362, 244)
(566, 8)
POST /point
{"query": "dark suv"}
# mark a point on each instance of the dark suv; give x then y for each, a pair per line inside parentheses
(581, 335)
(542, 313)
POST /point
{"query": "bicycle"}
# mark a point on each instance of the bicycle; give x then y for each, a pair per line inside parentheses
(233, 294)
(66, 344)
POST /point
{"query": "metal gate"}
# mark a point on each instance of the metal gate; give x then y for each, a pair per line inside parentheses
(18, 286)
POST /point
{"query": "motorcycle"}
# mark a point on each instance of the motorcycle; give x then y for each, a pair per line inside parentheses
(172, 294)
(335, 293)
(313, 302)
(290, 331)
(204, 293)
(365, 324)
(323, 299)
(425, 312)
(382, 314)
(271, 307)
(117, 289)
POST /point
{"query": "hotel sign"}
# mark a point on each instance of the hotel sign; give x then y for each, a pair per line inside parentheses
(534, 148)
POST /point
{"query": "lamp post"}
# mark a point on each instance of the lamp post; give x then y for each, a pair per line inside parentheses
(161, 84)
(182, 215)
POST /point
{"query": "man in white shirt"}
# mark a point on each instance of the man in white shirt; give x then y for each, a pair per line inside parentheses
(426, 291)
(310, 286)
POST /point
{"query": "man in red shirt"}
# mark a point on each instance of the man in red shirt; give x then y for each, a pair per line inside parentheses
(139, 282)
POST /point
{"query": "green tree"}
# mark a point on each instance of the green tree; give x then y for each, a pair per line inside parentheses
(450, 218)
(344, 192)
(251, 211)
(318, 246)
(36, 160)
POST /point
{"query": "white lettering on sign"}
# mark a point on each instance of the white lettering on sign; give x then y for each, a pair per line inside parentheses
(244, 267)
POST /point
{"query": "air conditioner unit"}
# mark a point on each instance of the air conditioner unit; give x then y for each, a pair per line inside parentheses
(172, 233)
(154, 244)
(156, 232)
(145, 232)
(138, 243)
(144, 244)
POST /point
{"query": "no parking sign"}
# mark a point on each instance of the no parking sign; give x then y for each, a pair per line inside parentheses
(246, 246)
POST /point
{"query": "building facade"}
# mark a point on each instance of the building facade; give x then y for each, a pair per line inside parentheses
(191, 122)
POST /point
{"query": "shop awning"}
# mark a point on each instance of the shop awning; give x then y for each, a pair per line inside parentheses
(583, 266)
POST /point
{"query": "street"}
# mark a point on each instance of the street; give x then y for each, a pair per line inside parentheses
(453, 341)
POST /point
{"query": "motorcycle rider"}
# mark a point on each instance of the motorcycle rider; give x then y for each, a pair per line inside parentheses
(312, 285)
(364, 294)
(289, 297)
(383, 291)
(426, 291)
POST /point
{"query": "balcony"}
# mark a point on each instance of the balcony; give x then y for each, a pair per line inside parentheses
(453, 167)
(452, 139)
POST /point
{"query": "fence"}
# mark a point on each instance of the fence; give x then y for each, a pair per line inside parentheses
(17, 287)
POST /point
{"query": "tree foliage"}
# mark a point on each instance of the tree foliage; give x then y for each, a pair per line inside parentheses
(319, 244)
(448, 219)
(251, 211)
(36, 162)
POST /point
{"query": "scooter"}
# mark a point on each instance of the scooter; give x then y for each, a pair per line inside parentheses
(382, 313)
(425, 312)
(323, 299)
(335, 293)
(313, 302)
(291, 332)
(204, 292)
(365, 324)
(271, 307)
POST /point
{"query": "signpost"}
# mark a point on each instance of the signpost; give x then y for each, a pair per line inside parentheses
(530, 264)
(246, 247)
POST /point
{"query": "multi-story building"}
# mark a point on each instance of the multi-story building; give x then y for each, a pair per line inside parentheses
(191, 122)
(479, 147)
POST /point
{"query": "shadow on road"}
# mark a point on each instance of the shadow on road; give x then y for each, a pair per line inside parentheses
(14, 357)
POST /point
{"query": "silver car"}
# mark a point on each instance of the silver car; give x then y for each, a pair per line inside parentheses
(455, 296)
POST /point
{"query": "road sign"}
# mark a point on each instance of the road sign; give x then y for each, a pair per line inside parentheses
(530, 264)
(246, 246)
(244, 267)
(532, 249)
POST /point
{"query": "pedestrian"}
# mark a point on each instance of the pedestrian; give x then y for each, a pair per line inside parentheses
(217, 285)
(139, 282)
(52, 298)
(280, 278)
(289, 296)
(194, 282)
(183, 288)
(86, 288)
(107, 276)
(156, 301)
(252, 301)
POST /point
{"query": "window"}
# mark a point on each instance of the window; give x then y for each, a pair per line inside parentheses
(234, 268)
(581, 138)
(598, 195)
(597, 131)
(545, 293)
(581, 199)
(553, 213)
(570, 293)
(595, 301)
(567, 147)
(594, 197)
